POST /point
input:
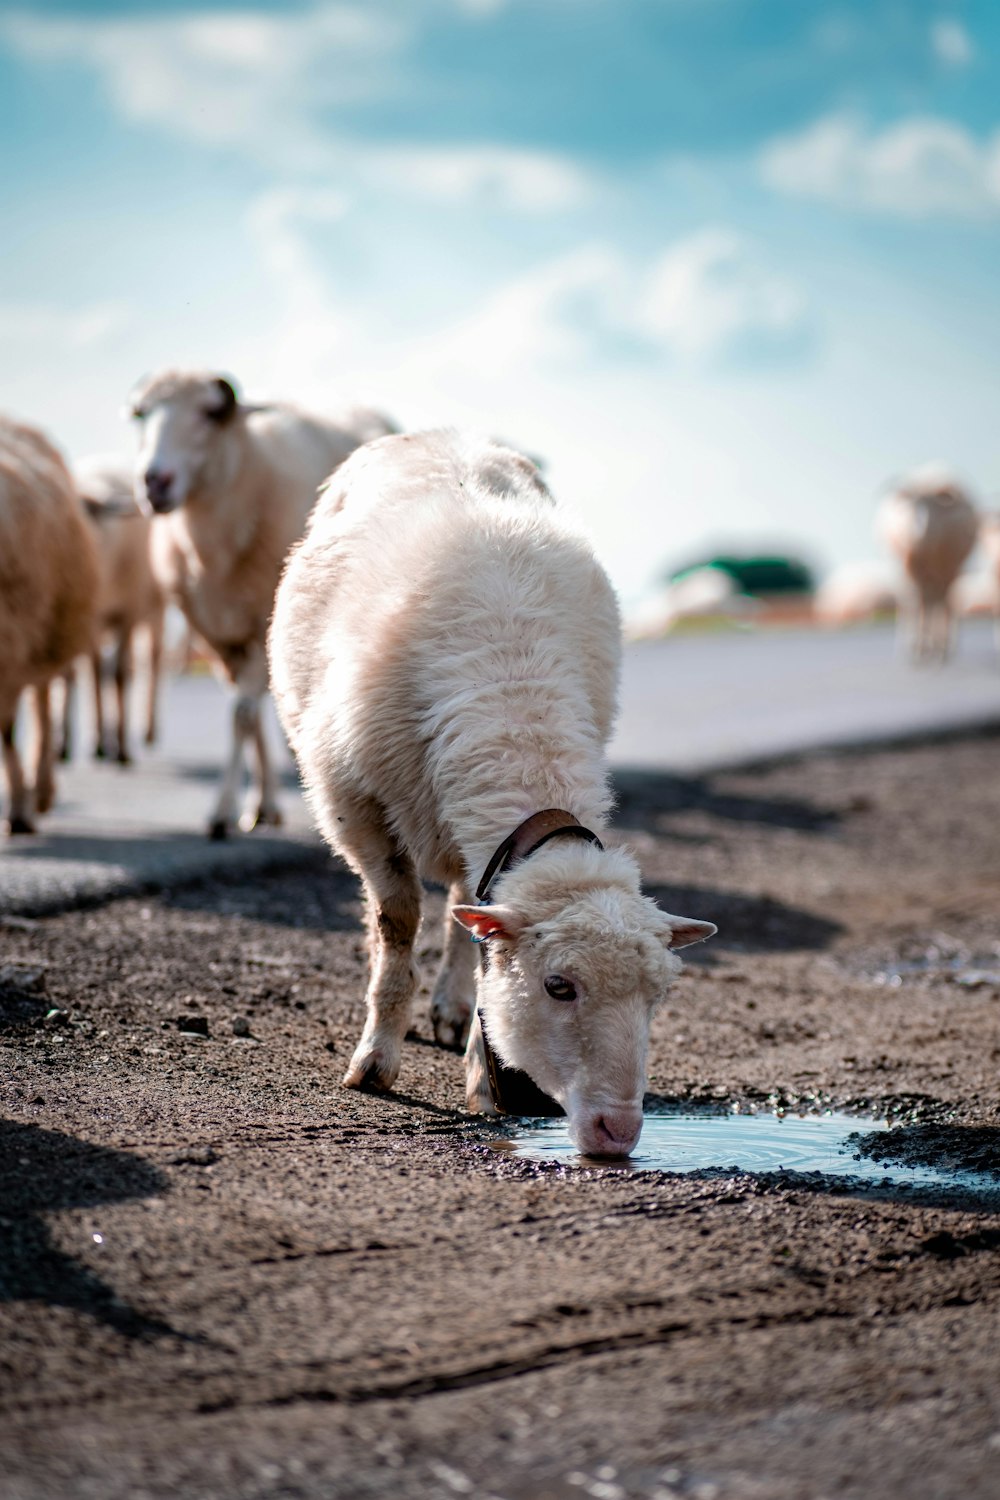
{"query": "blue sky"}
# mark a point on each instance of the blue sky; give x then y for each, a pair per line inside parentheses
(727, 264)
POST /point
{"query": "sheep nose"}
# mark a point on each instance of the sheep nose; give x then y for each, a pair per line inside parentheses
(157, 482)
(615, 1132)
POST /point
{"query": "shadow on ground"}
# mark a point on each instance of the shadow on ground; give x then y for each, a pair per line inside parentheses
(645, 798)
(45, 1171)
(748, 924)
(211, 773)
(320, 894)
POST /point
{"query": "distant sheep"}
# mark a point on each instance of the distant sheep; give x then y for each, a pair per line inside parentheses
(989, 535)
(48, 580)
(445, 656)
(930, 524)
(232, 486)
(129, 597)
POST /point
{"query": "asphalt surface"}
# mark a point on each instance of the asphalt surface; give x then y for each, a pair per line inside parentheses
(689, 704)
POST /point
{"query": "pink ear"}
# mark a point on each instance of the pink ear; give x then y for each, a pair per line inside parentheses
(685, 930)
(488, 921)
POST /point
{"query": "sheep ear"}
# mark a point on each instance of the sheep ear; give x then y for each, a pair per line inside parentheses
(228, 400)
(686, 930)
(488, 921)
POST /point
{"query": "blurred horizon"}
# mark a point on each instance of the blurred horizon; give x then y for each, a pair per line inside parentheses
(727, 267)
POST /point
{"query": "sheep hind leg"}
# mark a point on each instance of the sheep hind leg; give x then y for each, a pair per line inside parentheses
(392, 891)
(19, 816)
(97, 672)
(65, 751)
(156, 626)
(453, 1000)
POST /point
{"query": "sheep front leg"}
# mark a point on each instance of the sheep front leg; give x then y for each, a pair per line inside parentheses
(455, 988)
(123, 676)
(250, 681)
(477, 1084)
(45, 781)
(266, 809)
(19, 816)
(392, 891)
(224, 818)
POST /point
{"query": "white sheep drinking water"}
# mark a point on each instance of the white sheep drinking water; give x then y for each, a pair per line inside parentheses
(930, 524)
(129, 598)
(233, 485)
(48, 580)
(445, 655)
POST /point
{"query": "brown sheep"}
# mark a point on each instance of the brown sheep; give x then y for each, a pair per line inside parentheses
(48, 581)
(129, 597)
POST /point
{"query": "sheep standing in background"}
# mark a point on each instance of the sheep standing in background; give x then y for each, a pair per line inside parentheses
(48, 580)
(989, 535)
(445, 655)
(232, 486)
(930, 524)
(129, 598)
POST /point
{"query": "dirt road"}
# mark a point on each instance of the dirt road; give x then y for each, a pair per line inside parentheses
(224, 1276)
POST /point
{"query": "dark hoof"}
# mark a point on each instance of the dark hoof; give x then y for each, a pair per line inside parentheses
(20, 825)
(99, 753)
(218, 830)
(371, 1081)
(123, 758)
(65, 754)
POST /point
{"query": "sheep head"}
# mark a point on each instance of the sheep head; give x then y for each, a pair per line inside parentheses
(181, 417)
(579, 960)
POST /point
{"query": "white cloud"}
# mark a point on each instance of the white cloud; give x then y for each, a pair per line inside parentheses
(264, 85)
(43, 326)
(707, 299)
(919, 167)
(951, 43)
(530, 181)
(238, 79)
(709, 295)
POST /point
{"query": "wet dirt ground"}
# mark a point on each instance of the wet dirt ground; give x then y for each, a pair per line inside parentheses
(224, 1276)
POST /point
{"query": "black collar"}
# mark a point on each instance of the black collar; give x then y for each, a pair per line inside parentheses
(529, 836)
(513, 1091)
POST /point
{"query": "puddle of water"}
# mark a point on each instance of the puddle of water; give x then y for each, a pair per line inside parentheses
(969, 971)
(763, 1142)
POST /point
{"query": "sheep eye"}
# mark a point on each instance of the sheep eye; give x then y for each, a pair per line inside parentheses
(138, 414)
(560, 988)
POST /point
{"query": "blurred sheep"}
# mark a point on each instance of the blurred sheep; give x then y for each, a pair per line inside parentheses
(989, 535)
(129, 599)
(930, 524)
(231, 486)
(48, 583)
